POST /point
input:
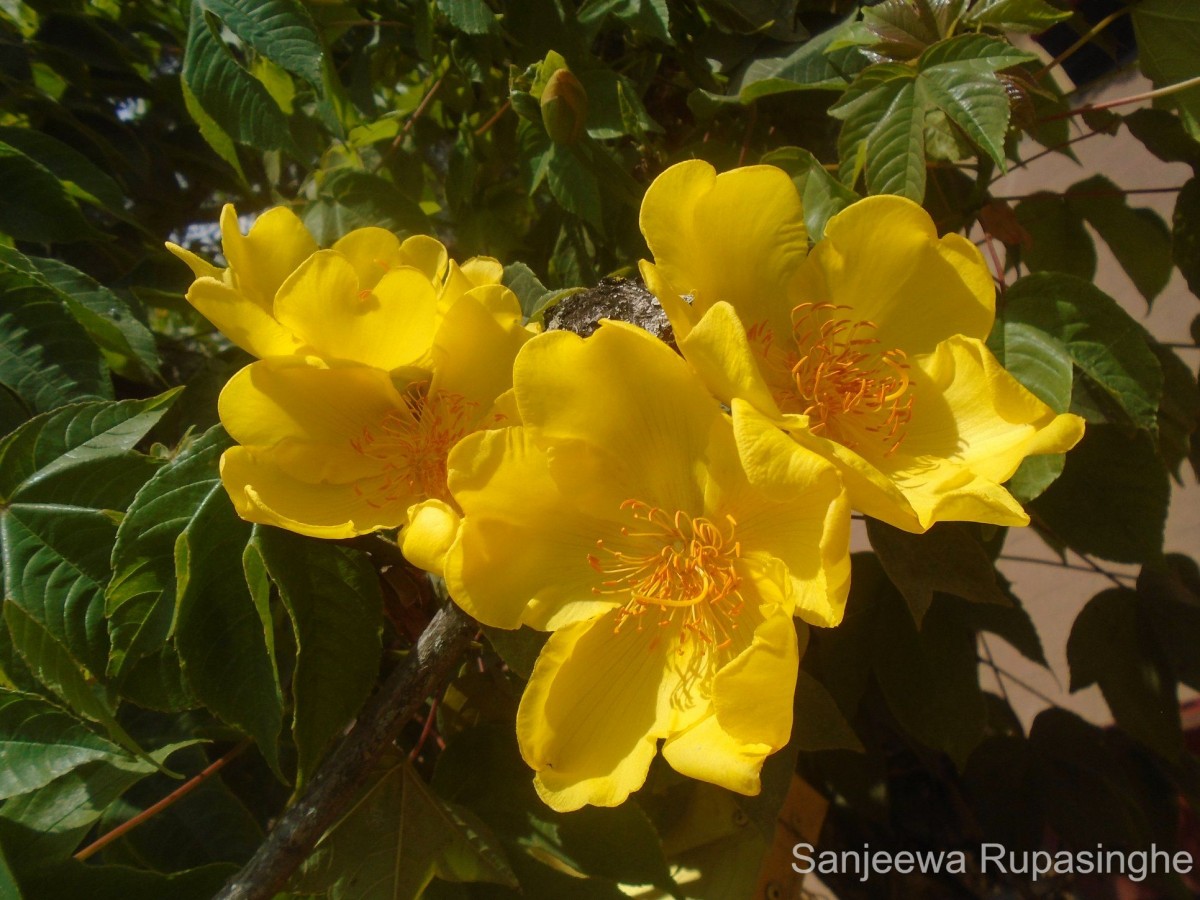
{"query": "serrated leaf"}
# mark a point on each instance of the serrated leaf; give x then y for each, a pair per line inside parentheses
(70, 878)
(35, 205)
(332, 596)
(468, 16)
(280, 30)
(1111, 644)
(211, 131)
(40, 742)
(395, 839)
(65, 474)
(228, 94)
(53, 666)
(127, 344)
(810, 66)
(1111, 499)
(1168, 40)
(1103, 341)
(948, 558)
(226, 648)
(141, 597)
(979, 106)
(1028, 16)
(46, 357)
(81, 176)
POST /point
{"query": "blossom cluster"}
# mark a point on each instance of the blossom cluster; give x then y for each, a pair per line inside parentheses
(667, 516)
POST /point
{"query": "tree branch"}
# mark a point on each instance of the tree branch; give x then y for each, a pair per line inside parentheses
(344, 773)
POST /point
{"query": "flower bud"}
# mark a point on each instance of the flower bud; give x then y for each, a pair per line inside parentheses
(564, 107)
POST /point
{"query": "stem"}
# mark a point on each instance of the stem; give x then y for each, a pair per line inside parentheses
(412, 120)
(151, 811)
(346, 770)
(496, 117)
(991, 246)
(1125, 101)
(1060, 564)
(425, 730)
(1081, 43)
(1000, 670)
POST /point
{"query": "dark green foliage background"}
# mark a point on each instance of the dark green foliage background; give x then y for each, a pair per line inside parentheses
(147, 631)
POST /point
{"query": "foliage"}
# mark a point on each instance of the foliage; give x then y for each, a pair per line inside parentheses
(148, 631)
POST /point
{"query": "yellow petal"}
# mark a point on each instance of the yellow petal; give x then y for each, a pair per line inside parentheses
(797, 513)
(737, 237)
(481, 270)
(881, 257)
(431, 530)
(277, 243)
(389, 327)
(262, 492)
(719, 351)
(679, 312)
(476, 343)
(425, 254)
(972, 425)
(241, 320)
(752, 693)
(521, 556)
(596, 703)
(201, 268)
(707, 752)
(371, 251)
(277, 399)
(639, 405)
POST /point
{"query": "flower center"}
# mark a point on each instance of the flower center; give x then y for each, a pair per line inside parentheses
(412, 443)
(674, 565)
(838, 374)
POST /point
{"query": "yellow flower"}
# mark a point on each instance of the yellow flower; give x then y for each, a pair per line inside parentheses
(372, 298)
(868, 350)
(666, 544)
(334, 449)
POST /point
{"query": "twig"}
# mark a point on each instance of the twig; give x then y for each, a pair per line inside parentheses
(1055, 149)
(1081, 43)
(151, 811)
(1125, 101)
(411, 121)
(425, 730)
(347, 769)
(496, 117)
(1000, 670)
(991, 246)
(1061, 564)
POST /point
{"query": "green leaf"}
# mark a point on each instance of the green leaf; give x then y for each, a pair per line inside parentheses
(50, 822)
(1104, 343)
(1138, 238)
(35, 205)
(40, 742)
(574, 186)
(810, 66)
(46, 357)
(81, 177)
(948, 558)
(393, 841)
(1059, 242)
(818, 723)
(53, 666)
(229, 95)
(1111, 499)
(823, 195)
(75, 879)
(468, 16)
(1027, 16)
(1043, 365)
(350, 199)
(614, 108)
(141, 598)
(1185, 234)
(280, 30)
(519, 649)
(8, 883)
(332, 596)
(70, 471)
(213, 133)
(1168, 40)
(1112, 644)
(226, 648)
(127, 344)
